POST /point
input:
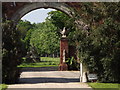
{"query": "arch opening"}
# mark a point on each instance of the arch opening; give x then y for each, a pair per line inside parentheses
(36, 9)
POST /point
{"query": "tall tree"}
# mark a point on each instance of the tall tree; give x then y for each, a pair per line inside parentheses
(99, 46)
(45, 38)
(12, 52)
(25, 28)
(61, 20)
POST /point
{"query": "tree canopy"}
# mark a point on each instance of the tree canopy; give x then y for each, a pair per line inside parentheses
(45, 38)
(99, 47)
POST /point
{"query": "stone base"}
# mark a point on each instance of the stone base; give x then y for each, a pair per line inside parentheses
(63, 67)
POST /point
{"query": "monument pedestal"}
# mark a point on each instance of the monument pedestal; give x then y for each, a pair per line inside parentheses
(63, 47)
(63, 67)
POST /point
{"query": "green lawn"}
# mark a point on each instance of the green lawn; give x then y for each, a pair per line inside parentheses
(3, 86)
(45, 62)
(105, 86)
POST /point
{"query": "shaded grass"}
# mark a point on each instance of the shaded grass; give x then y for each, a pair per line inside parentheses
(3, 86)
(45, 62)
(105, 86)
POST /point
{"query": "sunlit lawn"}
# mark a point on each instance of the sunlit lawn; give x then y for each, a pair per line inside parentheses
(3, 86)
(45, 62)
(105, 86)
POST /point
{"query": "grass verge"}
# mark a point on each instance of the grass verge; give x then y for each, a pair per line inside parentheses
(45, 62)
(105, 86)
(3, 86)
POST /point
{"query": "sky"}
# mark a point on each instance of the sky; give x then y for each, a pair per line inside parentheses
(37, 16)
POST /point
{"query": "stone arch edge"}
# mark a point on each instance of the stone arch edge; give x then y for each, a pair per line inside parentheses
(37, 5)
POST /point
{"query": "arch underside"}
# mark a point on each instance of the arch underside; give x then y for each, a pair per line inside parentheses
(61, 6)
(37, 5)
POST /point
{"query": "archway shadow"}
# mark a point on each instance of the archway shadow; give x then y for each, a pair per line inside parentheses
(58, 78)
(47, 80)
(36, 69)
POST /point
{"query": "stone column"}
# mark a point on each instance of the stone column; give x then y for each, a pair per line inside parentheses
(63, 47)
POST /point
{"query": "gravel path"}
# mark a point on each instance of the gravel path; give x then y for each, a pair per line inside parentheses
(33, 78)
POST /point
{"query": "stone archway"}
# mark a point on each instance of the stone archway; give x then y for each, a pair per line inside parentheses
(36, 5)
(15, 11)
(55, 5)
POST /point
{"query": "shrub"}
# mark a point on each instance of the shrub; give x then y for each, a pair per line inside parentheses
(12, 49)
(100, 51)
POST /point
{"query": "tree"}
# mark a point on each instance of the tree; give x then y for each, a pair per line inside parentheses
(23, 27)
(61, 20)
(99, 46)
(45, 39)
(12, 52)
(58, 18)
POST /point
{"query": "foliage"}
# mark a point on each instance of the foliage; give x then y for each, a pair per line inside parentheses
(58, 18)
(72, 64)
(61, 20)
(45, 62)
(99, 46)
(12, 49)
(27, 39)
(25, 28)
(45, 39)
